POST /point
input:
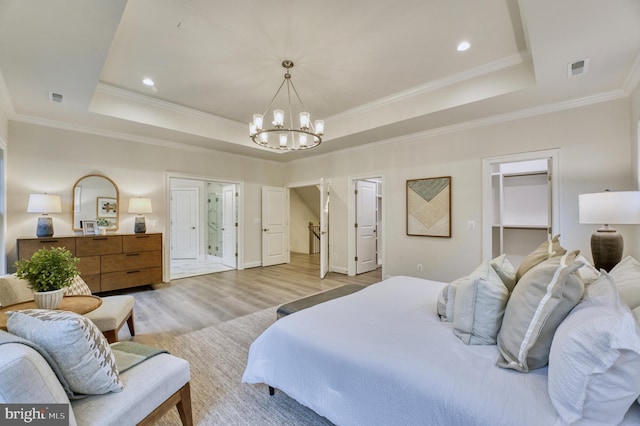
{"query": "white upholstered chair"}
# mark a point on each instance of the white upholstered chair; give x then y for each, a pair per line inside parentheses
(110, 317)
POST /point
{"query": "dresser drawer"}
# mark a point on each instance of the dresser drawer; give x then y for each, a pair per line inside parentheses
(143, 242)
(117, 280)
(98, 245)
(128, 261)
(89, 265)
(26, 247)
(93, 281)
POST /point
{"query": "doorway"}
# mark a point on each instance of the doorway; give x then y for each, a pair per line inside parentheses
(309, 222)
(203, 226)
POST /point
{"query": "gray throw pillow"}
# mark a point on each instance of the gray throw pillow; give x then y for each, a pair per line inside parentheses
(83, 355)
(543, 297)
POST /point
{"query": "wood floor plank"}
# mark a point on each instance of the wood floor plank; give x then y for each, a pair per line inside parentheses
(189, 304)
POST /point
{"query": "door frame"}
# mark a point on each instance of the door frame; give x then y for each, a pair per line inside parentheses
(487, 195)
(316, 182)
(167, 234)
(351, 221)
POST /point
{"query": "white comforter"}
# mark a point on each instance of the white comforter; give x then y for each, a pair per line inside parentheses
(381, 356)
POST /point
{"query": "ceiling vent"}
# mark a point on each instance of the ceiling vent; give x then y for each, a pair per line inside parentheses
(577, 68)
(55, 97)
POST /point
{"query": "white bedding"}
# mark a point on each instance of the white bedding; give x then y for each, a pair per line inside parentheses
(381, 356)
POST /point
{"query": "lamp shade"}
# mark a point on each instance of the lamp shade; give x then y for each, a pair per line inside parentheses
(620, 207)
(140, 205)
(44, 203)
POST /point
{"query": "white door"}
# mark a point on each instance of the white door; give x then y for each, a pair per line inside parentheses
(229, 225)
(184, 223)
(366, 204)
(275, 237)
(324, 228)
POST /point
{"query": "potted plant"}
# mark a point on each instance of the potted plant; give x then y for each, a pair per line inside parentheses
(103, 224)
(48, 272)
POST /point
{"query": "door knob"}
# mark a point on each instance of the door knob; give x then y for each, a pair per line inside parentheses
(193, 227)
(265, 229)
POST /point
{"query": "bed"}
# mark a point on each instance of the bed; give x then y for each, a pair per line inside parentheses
(382, 356)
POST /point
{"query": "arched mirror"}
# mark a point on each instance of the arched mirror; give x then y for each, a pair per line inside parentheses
(95, 197)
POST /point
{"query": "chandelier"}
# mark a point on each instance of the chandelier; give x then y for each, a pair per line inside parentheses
(283, 135)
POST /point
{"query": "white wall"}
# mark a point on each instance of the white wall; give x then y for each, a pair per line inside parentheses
(51, 160)
(595, 148)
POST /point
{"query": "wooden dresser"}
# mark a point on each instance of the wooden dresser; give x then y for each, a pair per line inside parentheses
(107, 262)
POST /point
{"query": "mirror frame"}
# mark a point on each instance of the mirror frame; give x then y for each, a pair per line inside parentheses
(73, 205)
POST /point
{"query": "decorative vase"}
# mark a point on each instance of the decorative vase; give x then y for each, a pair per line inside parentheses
(48, 299)
(102, 230)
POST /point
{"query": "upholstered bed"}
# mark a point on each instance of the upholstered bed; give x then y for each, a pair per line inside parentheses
(382, 356)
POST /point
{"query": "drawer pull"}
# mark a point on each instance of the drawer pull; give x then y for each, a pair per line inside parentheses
(132, 272)
(142, 236)
(133, 254)
(48, 241)
(100, 239)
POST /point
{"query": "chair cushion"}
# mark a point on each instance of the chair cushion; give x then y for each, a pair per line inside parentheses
(146, 386)
(113, 311)
(14, 290)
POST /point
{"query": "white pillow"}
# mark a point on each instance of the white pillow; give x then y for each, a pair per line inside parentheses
(77, 288)
(479, 306)
(447, 297)
(594, 363)
(543, 297)
(626, 275)
(588, 272)
(83, 355)
(505, 270)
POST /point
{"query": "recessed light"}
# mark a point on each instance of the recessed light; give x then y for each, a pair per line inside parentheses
(463, 45)
(147, 81)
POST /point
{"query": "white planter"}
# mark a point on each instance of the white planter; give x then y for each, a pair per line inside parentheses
(102, 230)
(48, 299)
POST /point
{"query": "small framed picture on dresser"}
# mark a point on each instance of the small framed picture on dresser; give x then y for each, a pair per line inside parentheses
(89, 227)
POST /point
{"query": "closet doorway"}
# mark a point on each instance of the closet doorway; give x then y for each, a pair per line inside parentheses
(203, 226)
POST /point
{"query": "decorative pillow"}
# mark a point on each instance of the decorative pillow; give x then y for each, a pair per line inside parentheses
(594, 363)
(588, 272)
(446, 300)
(75, 344)
(540, 301)
(505, 270)
(547, 250)
(626, 275)
(479, 306)
(78, 288)
(447, 297)
(14, 290)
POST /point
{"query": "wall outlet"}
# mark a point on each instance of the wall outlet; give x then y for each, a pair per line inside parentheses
(419, 267)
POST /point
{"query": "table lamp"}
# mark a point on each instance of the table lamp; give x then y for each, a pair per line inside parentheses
(620, 207)
(44, 204)
(139, 206)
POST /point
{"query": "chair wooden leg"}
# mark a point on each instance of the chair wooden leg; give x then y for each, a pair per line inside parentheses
(130, 324)
(184, 406)
(111, 335)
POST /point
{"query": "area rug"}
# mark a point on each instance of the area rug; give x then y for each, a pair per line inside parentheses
(217, 356)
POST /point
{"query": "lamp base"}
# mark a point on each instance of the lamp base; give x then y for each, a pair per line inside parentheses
(45, 227)
(140, 226)
(606, 248)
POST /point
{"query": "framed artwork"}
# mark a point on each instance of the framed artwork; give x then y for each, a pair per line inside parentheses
(429, 207)
(89, 227)
(107, 207)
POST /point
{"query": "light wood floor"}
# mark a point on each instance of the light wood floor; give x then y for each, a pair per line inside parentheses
(190, 304)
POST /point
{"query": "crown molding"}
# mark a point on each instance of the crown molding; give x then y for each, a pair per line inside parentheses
(633, 78)
(498, 65)
(483, 122)
(168, 106)
(127, 137)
